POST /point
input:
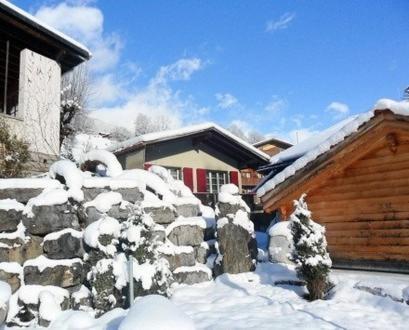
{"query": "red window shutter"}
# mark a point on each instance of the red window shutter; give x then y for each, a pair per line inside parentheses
(201, 180)
(188, 177)
(234, 178)
(146, 166)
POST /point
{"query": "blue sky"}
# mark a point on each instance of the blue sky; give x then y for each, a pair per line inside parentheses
(273, 66)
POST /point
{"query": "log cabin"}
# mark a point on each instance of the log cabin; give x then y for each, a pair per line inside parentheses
(356, 177)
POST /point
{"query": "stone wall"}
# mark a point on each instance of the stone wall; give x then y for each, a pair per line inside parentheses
(42, 247)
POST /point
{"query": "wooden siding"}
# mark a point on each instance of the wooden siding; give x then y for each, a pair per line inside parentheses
(365, 210)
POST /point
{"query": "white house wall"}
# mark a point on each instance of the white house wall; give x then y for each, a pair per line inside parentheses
(39, 102)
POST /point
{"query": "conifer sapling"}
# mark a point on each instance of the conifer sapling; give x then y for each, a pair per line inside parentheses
(310, 250)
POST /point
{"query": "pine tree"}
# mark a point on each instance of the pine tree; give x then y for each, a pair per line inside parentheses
(151, 271)
(310, 250)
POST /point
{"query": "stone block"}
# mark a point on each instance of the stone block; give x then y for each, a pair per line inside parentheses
(65, 244)
(187, 210)
(161, 215)
(22, 195)
(50, 218)
(192, 275)
(131, 195)
(186, 235)
(66, 274)
(9, 220)
(179, 259)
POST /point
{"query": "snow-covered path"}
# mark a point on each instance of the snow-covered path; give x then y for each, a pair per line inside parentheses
(250, 301)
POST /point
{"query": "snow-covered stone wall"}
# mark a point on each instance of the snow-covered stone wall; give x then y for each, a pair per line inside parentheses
(54, 234)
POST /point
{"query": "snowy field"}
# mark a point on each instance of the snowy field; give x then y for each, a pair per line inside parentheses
(258, 301)
(261, 300)
(251, 301)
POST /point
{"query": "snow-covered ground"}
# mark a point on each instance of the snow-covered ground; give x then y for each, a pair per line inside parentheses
(251, 301)
(262, 300)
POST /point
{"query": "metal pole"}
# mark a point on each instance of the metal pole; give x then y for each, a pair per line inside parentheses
(131, 293)
(6, 76)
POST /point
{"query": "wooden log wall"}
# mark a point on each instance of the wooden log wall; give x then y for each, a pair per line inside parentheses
(366, 211)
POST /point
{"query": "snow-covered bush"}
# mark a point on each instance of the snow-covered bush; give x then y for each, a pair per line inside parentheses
(150, 271)
(310, 250)
(13, 153)
(109, 247)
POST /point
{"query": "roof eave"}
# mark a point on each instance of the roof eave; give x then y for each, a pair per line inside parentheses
(300, 175)
(81, 52)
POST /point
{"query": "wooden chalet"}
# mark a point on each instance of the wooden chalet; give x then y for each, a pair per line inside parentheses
(271, 146)
(356, 176)
(204, 156)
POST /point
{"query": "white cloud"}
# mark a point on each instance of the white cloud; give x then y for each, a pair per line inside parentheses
(281, 23)
(85, 23)
(113, 90)
(242, 125)
(157, 98)
(276, 105)
(180, 70)
(226, 100)
(338, 109)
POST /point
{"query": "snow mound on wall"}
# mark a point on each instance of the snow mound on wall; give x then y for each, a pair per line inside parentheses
(57, 234)
(282, 228)
(114, 168)
(150, 180)
(47, 198)
(30, 294)
(176, 186)
(308, 150)
(5, 294)
(240, 219)
(155, 312)
(229, 188)
(32, 183)
(104, 226)
(49, 307)
(72, 175)
(82, 143)
(19, 233)
(229, 194)
(104, 201)
(10, 204)
(43, 262)
(112, 183)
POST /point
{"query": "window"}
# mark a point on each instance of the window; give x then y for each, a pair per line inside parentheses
(175, 172)
(214, 180)
(9, 76)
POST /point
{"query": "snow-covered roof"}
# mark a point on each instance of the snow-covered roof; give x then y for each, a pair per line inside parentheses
(36, 23)
(272, 140)
(305, 152)
(185, 131)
